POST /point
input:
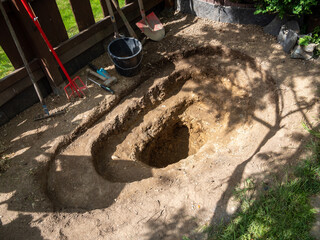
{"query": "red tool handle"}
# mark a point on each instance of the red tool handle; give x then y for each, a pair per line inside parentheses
(35, 20)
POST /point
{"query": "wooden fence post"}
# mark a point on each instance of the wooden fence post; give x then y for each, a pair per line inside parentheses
(7, 43)
(83, 13)
(49, 64)
(50, 20)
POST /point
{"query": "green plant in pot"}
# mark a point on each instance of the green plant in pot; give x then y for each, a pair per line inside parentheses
(286, 7)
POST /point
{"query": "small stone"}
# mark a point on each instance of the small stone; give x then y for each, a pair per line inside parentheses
(299, 53)
(310, 47)
(287, 38)
(274, 26)
(293, 25)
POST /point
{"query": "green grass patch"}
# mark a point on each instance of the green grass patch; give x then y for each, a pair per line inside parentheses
(97, 10)
(68, 17)
(282, 211)
(5, 64)
(121, 3)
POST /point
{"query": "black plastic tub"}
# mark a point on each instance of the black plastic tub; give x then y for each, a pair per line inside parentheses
(126, 54)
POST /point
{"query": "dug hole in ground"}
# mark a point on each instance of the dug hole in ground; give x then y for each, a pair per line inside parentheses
(214, 104)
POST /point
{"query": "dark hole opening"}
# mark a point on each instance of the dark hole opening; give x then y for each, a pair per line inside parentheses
(169, 147)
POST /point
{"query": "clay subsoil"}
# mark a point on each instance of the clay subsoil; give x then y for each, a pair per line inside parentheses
(214, 104)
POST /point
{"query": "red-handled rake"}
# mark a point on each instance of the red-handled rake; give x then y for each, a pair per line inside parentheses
(75, 89)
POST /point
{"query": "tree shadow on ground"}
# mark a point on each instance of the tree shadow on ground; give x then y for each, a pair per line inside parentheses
(20, 229)
(179, 225)
(284, 86)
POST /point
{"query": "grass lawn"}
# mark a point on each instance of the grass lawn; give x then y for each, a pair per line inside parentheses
(69, 22)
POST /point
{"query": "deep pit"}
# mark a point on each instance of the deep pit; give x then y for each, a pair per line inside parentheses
(172, 144)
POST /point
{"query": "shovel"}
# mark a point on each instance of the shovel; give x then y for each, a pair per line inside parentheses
(124, 19)
(150, 25)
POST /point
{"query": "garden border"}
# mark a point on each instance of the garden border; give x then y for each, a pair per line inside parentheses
(212, 9)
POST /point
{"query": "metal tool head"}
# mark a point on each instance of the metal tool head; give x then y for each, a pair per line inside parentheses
(152, 27)
(110, 81)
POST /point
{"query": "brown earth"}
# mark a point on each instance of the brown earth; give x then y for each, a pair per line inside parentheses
(214, 104)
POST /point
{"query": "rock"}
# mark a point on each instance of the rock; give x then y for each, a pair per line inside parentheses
(310, 47)
(274, 26)
(299, 53)
(287, 38)
(293, 25)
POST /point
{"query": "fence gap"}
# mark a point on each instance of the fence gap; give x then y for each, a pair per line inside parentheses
(97, 10)
(6, 66)
(68, 17)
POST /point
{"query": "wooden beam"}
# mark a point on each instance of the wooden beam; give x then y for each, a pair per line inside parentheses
(50, 20)
(83, 13)
(6, 41)
(129, 1)
(7, 44)
(17, 81)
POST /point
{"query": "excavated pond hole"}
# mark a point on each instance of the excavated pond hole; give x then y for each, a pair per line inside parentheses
(197, 105)
(174, 117)
(172, 144)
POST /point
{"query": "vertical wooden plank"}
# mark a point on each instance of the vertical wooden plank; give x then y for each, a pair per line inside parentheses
(104, 8)
(83, 13)
(7, 42)
(50, 20)
(38, 45)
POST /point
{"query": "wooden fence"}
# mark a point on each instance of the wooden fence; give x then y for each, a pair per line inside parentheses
(41, 61)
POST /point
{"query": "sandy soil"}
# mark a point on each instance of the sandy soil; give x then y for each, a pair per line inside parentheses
(223, 98)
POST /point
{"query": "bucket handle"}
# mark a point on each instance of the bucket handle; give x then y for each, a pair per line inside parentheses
(122, 67)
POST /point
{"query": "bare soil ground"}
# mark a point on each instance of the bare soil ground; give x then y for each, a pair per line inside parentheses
(214, 104)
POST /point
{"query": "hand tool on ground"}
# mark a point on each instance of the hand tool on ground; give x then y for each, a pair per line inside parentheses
(103, 73)
(75, 89)
(26, 64)
(107, 82)
(101, 85)
(150, 25)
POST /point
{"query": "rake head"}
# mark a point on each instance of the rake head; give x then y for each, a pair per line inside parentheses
(72, 88)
